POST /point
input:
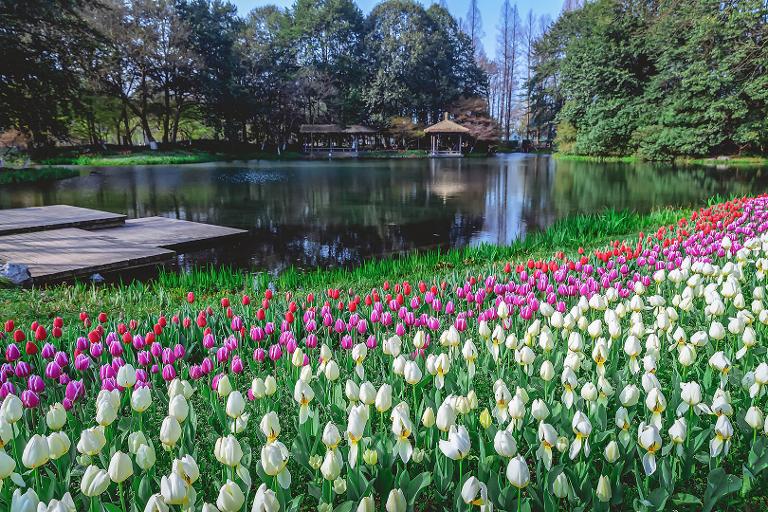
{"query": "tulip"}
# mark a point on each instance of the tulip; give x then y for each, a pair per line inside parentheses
(227, 451)
(235, 405)
(458, 445)
(265, 500)
(36, 452)
(303, 395)
(26, 502)
(274, 458)
(504, 443)
(561, 487)
(94, 482)
(603, 491)
(582, 428)
(145, 456)
(91, 442)
(474, 492)
(186, 467)
(367, 504)
(649, 439)
(174, 490)
(231, 498)
(178, 408)
(396, 501)
(156, 503)
(270, 426)
(170, 432)
(58, 444)
(517, 472)
(383, 400)
(402, 428)
(120, 467)
(56, 417)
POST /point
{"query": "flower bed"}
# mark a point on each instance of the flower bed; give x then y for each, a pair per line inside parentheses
(630, 377)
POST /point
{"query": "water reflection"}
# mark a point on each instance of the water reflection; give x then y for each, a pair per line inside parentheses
(339, 213)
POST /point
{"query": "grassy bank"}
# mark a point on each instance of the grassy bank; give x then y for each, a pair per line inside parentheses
(164, 158)
(139, 298)
(752, 161)
(10, 176)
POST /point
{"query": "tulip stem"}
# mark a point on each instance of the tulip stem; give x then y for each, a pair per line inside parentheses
(519, 492)
(122, 496)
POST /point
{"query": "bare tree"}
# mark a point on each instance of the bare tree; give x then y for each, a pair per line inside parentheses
(473, 26)
(529, 39)
(509, 33)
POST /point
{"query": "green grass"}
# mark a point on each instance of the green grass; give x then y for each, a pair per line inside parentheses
(9, 176)
(408, 153)
(599, 159)
(163, 158)
(748, 161)
(139, 298)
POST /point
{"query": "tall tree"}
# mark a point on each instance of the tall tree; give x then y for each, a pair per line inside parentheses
(39, 74)
(473, 26)
(508, 35)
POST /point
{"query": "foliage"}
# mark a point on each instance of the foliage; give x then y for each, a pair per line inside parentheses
(661, 79)
(8, 176)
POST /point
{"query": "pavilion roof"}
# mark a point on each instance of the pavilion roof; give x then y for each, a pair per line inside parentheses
(446, 126)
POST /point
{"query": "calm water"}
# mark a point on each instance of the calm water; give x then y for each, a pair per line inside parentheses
(341, 212)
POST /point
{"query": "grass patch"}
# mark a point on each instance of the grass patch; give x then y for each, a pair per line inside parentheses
(597, 159)
(10, 176)
(163, 158)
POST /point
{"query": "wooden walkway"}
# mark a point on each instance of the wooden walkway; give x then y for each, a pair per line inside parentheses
(65, 254)
(169, 233)
(60, 243)
(40, 218)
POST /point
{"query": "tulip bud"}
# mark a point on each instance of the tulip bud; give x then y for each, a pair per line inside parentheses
(36, 452)
(517, 472)
(120, 467)
(58, 444)
(56, 417)
(485, 418)
(94, 481)
(231, 498)
(603, 492)
(396, 501)
(235, 405)
(371, 457)
(561, 487)
(339, 486)
(428, 417)
(611, 452)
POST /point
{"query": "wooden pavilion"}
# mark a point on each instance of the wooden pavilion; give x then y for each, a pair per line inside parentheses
(335, 138)
(446, 138)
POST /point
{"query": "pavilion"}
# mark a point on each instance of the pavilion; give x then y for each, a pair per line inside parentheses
(444, 138)
(335, 138)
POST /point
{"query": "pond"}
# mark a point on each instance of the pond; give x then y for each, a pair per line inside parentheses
(331, 213)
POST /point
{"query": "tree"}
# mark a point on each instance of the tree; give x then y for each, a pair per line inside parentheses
(473, 27)
(508, 34)
(39, 74)
(328, 35)
(473, 113)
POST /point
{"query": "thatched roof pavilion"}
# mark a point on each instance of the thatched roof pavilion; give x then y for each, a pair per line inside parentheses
(335, 137)
(446, 131)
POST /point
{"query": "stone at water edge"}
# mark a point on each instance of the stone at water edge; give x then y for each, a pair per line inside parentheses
(14, 274)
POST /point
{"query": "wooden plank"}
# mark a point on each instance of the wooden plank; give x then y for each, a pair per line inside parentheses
(169, 233)
(41, 218)
(63, 254)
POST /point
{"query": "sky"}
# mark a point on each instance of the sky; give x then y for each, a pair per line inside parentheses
(489, 10)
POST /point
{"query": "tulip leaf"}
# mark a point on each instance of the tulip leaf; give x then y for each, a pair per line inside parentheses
(345, 507)
(682, 498)
(111, 507)
(145, 488)
(719, 485)
(416, 486)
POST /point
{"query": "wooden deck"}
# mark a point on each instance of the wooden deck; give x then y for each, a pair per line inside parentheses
(40, 218)
(65, 254)
(169, 233)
